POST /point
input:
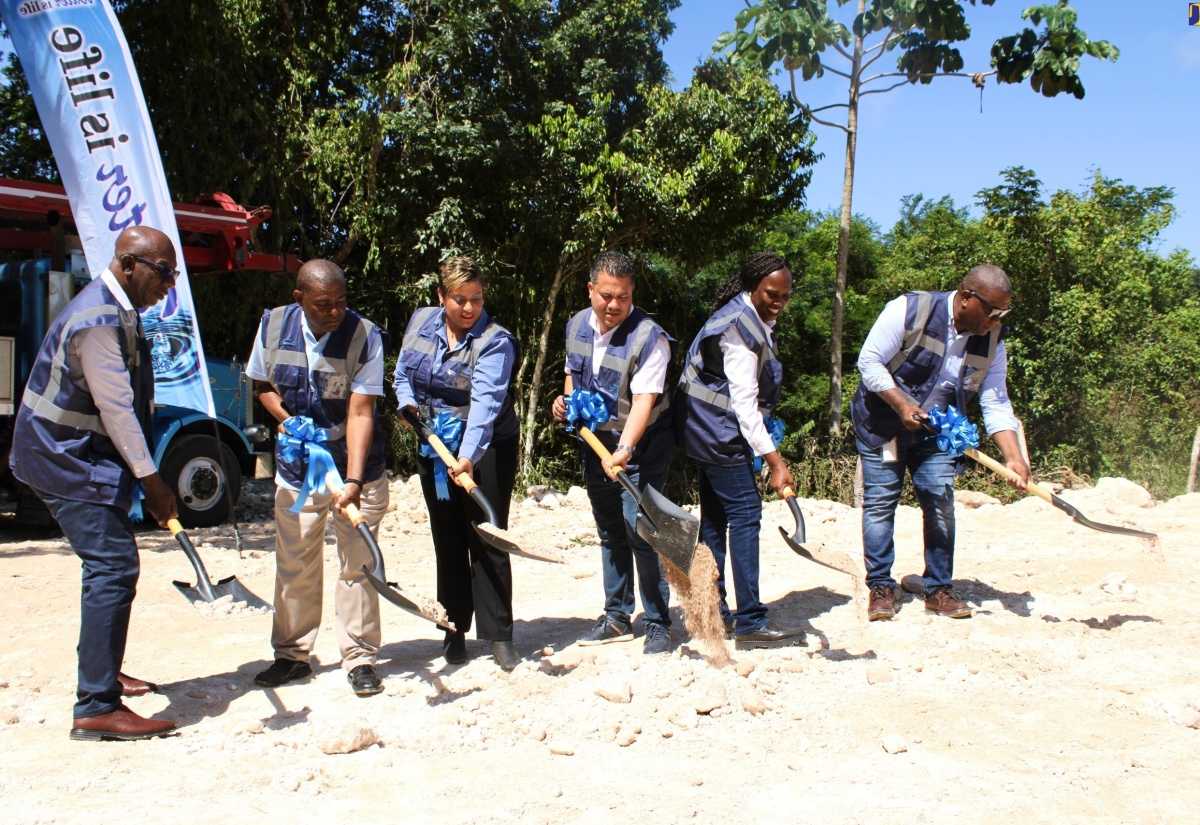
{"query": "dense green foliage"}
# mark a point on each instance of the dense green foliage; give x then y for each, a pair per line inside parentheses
(534, 134)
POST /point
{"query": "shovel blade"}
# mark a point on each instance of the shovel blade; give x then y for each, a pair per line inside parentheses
(499, 539)
(672, 531)
(833, 559)
(231, 587)
(393, 595)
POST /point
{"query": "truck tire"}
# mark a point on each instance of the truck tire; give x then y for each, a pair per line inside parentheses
(206, 486)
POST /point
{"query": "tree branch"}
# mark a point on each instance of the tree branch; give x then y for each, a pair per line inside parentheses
(881, 91)
(837, 72)
(831, 106)
(971, 75)
(804, 107)
(887, 38)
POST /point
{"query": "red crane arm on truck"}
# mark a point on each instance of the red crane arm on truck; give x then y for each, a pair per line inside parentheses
(216, 238)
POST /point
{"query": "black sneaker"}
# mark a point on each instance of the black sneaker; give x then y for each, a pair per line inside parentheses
(454, 647)
(365, 680)
(658, 640)
(607, 630)
(282, 672)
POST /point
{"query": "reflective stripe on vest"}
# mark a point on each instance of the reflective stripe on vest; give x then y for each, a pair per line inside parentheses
(767, 352)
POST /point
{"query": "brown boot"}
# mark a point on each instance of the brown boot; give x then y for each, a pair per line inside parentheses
(121, 724)
(883, 603)
(943, 602)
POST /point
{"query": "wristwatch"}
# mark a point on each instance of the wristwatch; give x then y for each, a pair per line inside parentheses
(626, 448)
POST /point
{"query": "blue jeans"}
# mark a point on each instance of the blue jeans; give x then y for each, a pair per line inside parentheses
(622, 551)
(730, 506)
(102, 537)
(933, 479)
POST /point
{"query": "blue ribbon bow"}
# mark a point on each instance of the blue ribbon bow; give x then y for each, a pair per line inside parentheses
(136, 514)
(585, 408)
(955, 432)
(775, 430)
(303, 443)
(449, 429)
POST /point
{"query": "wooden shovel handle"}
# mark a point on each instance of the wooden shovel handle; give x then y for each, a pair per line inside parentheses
(334, 482)
(992, 464)
(440, 448)
(174, 526)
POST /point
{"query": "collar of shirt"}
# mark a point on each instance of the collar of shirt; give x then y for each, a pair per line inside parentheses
(118, 291)
(953, 330)
(475, 331)
(311, 342)
(745, 298)
(601, 339)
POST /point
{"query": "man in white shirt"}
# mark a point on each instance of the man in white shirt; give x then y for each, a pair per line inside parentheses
(618, 352)
(80, 442)
(928, 349)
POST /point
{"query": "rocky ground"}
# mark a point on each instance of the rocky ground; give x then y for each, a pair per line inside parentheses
(1071, 696)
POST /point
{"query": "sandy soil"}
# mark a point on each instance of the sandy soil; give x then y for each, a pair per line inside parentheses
(1071, 696)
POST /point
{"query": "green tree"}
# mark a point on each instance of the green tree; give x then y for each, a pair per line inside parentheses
(801, 35)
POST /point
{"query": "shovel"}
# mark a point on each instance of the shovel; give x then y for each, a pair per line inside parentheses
(375, 574)
(492, 533)
(834, 560)
(669, 529)
(205, 591)
(1044, 494)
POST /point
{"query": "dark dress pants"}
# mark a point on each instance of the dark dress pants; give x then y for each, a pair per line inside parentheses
(102, 536)
(473, 578)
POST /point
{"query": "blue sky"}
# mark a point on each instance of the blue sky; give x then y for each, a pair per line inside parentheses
(1133, 123)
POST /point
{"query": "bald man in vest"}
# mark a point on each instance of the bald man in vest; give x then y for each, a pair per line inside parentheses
(317, 359)
(82, 443)
(928, 349)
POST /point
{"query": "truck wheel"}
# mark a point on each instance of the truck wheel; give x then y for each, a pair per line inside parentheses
(206, 486)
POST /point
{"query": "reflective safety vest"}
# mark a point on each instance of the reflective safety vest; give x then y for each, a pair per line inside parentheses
(447, 386)
(918, 364)
(705, 420)
(630, 346)
(320, 390)
(60, 445)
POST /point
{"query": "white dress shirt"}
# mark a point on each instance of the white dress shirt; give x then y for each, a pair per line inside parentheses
(741, 370)
(650, 377)
(887, 337)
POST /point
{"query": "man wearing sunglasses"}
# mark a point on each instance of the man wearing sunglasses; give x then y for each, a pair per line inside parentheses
(928, 349)
(81, 443)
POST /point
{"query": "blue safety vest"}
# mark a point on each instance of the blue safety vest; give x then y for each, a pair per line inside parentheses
(447, 386)
(918, 364)
(705, 420)
(321, 390)
(59, 444)
(630, 346)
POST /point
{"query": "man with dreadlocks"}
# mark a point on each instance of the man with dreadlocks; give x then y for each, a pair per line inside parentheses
(928, 349)
(618, 352)
(731, 380)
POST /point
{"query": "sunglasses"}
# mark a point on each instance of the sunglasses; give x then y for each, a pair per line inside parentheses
(165, 272)
(993, 312)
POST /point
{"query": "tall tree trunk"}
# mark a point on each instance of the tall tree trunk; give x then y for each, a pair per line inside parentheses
(843, 250)
(535, 383)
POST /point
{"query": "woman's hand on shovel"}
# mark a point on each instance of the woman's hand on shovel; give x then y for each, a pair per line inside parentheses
(464, 467)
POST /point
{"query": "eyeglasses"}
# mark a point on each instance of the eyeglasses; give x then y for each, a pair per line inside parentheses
(993, 312)
(165, 272)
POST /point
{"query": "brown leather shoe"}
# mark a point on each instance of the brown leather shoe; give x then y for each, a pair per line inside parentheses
(121, 724)
(883, 603)
(135, 687)
(943, 602)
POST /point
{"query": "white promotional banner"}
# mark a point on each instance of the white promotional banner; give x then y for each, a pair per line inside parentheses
(91, 106)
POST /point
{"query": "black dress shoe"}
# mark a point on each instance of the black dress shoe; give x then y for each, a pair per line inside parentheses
(771, 635)
(282, 672)
(454, 648)
(505, 654)
(365, 680)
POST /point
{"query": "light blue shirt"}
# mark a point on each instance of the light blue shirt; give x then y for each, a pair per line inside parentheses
(489, 384)
(887, 337)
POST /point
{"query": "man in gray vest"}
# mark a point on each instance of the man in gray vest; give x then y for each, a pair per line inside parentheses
(81, 443)
(318, 360)
(928, 349)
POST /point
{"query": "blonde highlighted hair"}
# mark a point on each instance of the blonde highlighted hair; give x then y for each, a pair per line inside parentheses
(458, 271)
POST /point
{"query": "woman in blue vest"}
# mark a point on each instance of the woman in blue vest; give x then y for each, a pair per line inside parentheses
(454, 370)
(731, 381)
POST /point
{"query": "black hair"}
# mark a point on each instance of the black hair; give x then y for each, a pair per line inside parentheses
(617, 264)
(748, 277)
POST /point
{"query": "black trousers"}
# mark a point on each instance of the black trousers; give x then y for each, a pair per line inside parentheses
(473, 578)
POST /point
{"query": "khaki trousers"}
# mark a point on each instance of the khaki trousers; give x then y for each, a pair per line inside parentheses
(299, 568)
